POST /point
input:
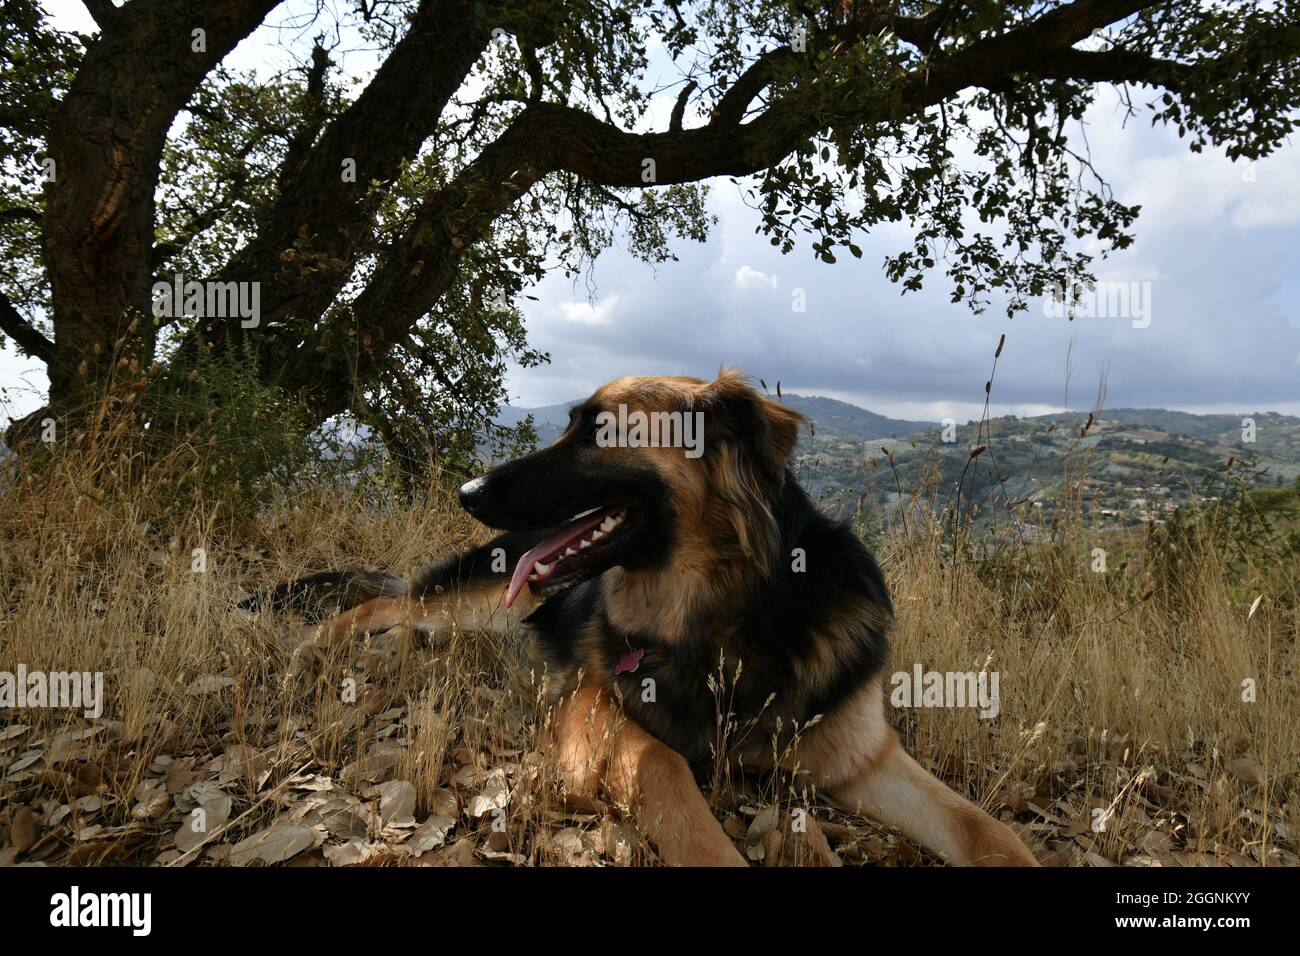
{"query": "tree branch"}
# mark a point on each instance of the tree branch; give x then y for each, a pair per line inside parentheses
(20, 212)
(22, 332)
(733, 104)
(1127, 66)
(302, 138)
(384, 126)
(103, 11)
(547, 137)
(679, 108)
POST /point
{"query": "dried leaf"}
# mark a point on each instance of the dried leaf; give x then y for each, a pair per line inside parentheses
(273, 845)
(396, 802)
(22, 830)
(1247, 769)
(431, 833)
(209, 684)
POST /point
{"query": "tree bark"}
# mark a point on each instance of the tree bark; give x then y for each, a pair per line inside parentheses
(106, 139)
(386, 125)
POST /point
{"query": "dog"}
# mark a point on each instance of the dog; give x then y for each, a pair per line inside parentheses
(641, 574)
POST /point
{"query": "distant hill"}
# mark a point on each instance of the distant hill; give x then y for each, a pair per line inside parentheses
(553, 415)
(833, 420)
(549, 420)
(1139, 464)
(837, 419)
(1218, 427)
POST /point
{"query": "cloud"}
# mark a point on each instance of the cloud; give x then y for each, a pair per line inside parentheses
(748, 279)
(1217, 250)
(600, 312)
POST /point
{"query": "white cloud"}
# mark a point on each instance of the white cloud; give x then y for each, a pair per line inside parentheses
(748, 279)
(600, 312)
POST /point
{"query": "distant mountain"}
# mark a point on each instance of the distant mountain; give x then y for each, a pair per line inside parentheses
(1215, 427)
(543, 415)
(838, 419)
(549, 420)
(833, 420)
(1272, 438)
(1140, 463)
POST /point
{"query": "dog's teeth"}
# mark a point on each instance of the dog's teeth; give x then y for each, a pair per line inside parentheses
(542, 569)
(532, 577)
(608, 525)
(584, 543)
(597, 535)
(568, 552)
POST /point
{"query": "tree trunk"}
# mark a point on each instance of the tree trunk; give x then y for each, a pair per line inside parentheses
(106, 139)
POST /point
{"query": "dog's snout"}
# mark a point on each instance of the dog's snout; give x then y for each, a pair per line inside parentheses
(473, 493)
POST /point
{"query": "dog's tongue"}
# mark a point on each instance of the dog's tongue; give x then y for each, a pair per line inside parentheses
(570, 532)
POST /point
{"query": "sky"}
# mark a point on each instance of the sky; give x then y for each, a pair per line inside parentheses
(1216, 262)
(1216, 256)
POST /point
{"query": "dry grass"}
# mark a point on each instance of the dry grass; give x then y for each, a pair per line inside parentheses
(1120, 691)
(1117, 694)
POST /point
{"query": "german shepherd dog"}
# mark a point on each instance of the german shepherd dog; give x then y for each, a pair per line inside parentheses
(636, 572)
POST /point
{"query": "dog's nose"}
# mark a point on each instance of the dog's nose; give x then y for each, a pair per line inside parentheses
(473, 493)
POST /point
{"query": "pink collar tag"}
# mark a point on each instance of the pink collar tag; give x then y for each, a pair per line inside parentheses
(629, 662)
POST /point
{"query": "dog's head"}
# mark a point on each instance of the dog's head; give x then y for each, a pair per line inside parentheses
(647, 465)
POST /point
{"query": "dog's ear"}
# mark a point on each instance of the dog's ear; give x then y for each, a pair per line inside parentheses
(751, 439)
(766, 429)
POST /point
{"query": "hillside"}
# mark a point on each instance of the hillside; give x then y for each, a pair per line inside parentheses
(835, 421)
(1137, 464)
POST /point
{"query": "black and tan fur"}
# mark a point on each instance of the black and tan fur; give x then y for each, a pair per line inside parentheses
(705, 575)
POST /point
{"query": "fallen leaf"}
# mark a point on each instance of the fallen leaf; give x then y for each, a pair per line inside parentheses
(22, 830)
(460, 853)
(431, 833)
(374, 766)
(273, 845)
(396, 802)
(209, 684)
(352, 853)
(1247, 769)
(569, 842)
(764, 821)
(495, 795)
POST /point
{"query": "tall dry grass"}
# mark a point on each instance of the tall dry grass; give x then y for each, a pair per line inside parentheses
(1149, 692)
(1120, 691)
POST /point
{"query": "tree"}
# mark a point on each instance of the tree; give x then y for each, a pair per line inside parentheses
(390, 230)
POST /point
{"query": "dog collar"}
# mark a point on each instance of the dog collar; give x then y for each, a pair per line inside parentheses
(629, 662)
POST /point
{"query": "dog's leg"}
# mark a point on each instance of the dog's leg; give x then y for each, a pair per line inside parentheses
(467, 590)
(378, 614)
(896, 790)
(597, 744)
(478, 607)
